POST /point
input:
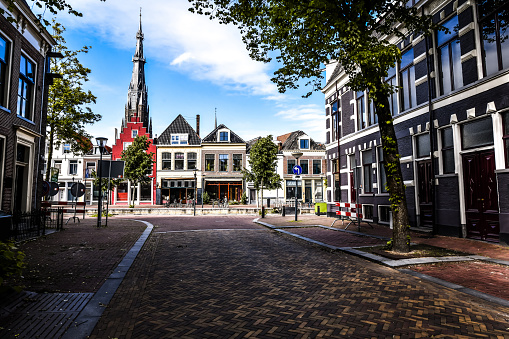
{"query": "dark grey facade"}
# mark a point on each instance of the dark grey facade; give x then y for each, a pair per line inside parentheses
(463, 113)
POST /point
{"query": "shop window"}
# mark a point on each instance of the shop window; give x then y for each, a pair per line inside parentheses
(166, 161)
(290, 189)
(367, 160)
(447, 150)
(477, 133)
(209, 162)
(223, 162)
(146, 191)
(449, 57)
(179, 161)
(407, 80)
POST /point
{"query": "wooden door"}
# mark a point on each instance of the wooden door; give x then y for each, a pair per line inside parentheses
(424, 195)
(481, 196)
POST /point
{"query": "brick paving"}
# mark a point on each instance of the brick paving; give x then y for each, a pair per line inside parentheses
(239, 281)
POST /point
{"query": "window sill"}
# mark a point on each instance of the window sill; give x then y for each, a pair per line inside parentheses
(366, 195)
(6, 110)
(25, 119)
(382, 195)
(447, 175)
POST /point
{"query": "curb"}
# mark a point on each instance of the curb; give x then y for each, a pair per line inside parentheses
(87, 319)
(403, 262)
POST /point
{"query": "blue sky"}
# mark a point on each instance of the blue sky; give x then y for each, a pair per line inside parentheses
(194, 66)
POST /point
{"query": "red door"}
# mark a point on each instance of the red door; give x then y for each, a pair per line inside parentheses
(481, 197)
(424, 182)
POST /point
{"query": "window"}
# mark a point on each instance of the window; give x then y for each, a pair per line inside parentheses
(494, 35)
(367, 212)
(361, 111)
(382, 180)
(25, 88)
(209, 162)
(372, 117)
(384, 214)
(179, 139)
(89, 169)
(337, 182)
(166, 159)
(67, 148)
(290, 189)
(407, 80)
(2, 164)
(58, 165)
(367, 160)
(505, 119)
(146, 191)
(449, 57)
(191, 161)
(179, 161)
(223, 162)
(477, 133)
(237, 162)
(318, 190)
(290, 164)
(447, 150)
(335, 120)
(134, 133)
(393, 98)
(305, 167)
(304, 143)
(422, 146)
(223, 136)
(4, 55)
(317, 166)
(127, 144)
(73, 167)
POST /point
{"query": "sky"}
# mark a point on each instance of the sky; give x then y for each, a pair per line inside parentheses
(194, 66)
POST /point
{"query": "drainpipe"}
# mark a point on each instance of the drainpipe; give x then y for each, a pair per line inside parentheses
(431, 141)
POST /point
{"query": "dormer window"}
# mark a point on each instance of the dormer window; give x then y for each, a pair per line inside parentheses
(304, 143)
(179, 139)
(224, 136)
(67, 148)
(134, 133)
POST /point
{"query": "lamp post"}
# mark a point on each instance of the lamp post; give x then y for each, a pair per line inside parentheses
(101, 142)
(195, 197)
(296, 155)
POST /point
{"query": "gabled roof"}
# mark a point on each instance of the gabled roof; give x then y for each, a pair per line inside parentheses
(292, 142)
(335, 73)
(179, 126)
(212, 137)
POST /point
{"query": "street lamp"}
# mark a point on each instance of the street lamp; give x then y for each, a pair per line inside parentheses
(194, 200)
(296, 155)
(101, 143)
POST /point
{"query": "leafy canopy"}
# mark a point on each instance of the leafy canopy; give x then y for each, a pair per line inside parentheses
(263, 161)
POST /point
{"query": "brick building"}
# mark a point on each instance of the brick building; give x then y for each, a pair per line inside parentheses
(463, 113)
(136, 123)
(24, 49)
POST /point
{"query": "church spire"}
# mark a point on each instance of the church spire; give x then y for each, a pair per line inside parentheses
(137, 105)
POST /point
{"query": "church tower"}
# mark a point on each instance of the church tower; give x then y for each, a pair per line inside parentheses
(136, 109)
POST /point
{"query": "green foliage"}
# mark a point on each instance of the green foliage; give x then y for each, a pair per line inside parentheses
(11, 262)
(68, 102)
(138, 163)
(205, 197)
(243, 198)
(111, 183)
(263, 161)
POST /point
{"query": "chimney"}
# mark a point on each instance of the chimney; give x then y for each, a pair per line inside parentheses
(198, 124)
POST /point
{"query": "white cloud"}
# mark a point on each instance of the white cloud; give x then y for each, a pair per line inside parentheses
(188, 42)
(310, 116)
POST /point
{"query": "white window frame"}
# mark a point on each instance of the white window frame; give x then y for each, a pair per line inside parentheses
(134, 133)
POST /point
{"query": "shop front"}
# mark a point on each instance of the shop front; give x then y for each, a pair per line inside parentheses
(231, 190)
(177, 190)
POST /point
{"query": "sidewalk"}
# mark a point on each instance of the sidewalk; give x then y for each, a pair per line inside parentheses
(484, 269)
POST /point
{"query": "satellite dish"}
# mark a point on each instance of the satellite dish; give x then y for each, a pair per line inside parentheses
(78, 189)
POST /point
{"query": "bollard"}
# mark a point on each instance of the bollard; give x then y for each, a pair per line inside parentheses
(263, 212)
(283, 212)
(318, 210)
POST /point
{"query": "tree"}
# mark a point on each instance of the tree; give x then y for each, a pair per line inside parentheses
(138, 163)
(306, 34)
(68, 112)
(263, 161)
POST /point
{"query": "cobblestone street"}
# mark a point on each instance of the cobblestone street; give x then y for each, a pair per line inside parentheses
(228, 277)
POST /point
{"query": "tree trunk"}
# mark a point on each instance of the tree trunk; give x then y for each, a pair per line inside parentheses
(50, 154)
(395, 186)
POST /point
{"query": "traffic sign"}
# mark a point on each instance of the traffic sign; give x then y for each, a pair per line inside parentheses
(297, 170)
(45, 188)
(78, 189)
